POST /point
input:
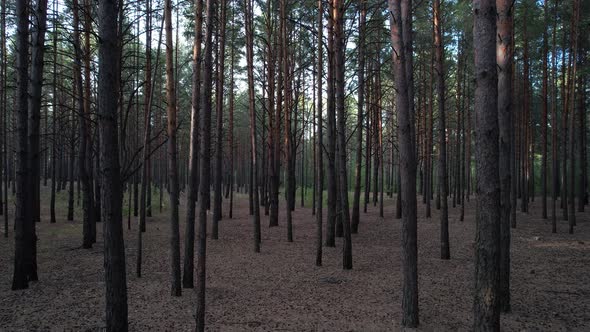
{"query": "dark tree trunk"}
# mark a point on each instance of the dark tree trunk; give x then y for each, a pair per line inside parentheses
(487, 247)
(35, 90)
(407, 162)
(320, 146)
(24, 236)
(84, 157)
(172, 155)
(445, 252)
(252, 112)
(219, 94)
(572, 109)
(331, 137)
(205, 161)
(54, 148)
(114, 249)
(555, 124)
(339, 48)
(544, 97)
(189, 239)
(504, 61)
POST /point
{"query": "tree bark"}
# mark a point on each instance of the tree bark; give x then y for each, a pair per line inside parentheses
(504, 61)
(189, 239)
(339, 55)
(205, 157)
(407, 166)
(114, 249)
(320, 145)
(172, 154)
(487, 247)
(252, 112)
(445, 252)
(24, 236)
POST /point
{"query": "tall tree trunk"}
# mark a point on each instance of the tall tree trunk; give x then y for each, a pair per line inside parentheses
(331, 136)
(36, 90)
(555, 124)
(504, 60)
(544, 97)
(320, 146)
(219, 93)
(231, 143)
(407, 164)
(3, 111)
(445, 252)
(339, 50)
(189, 239)
(252, 112)
(205, 157)
(85, 147)
(112, 211)
(54, 154)
(572, 110)
(24, 236)
(487, 247)
(147, 123)
(172, 155)
(284, 74)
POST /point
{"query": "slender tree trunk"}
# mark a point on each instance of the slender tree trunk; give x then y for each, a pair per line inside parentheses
(320, 145)
(231, 143)
(445, 252)
(544, 97)
(24, 227)
(189, 239)
(284, 75)
(54, 154)
(487, 247)
(555, 124)
(252, 112)
(172, 155)
(504, 60)
(331, 137)
(85, 150)
(35, 90)
(205, 153)
(572, 110)
(339, 48)
(219, 125)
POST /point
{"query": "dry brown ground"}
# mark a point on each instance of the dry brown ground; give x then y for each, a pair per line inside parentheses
(282, 289)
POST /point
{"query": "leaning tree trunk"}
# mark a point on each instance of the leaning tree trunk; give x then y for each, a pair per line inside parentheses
(487, 247)
(112, 210)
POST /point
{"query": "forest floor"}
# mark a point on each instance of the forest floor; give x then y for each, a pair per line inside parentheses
(281, 289)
